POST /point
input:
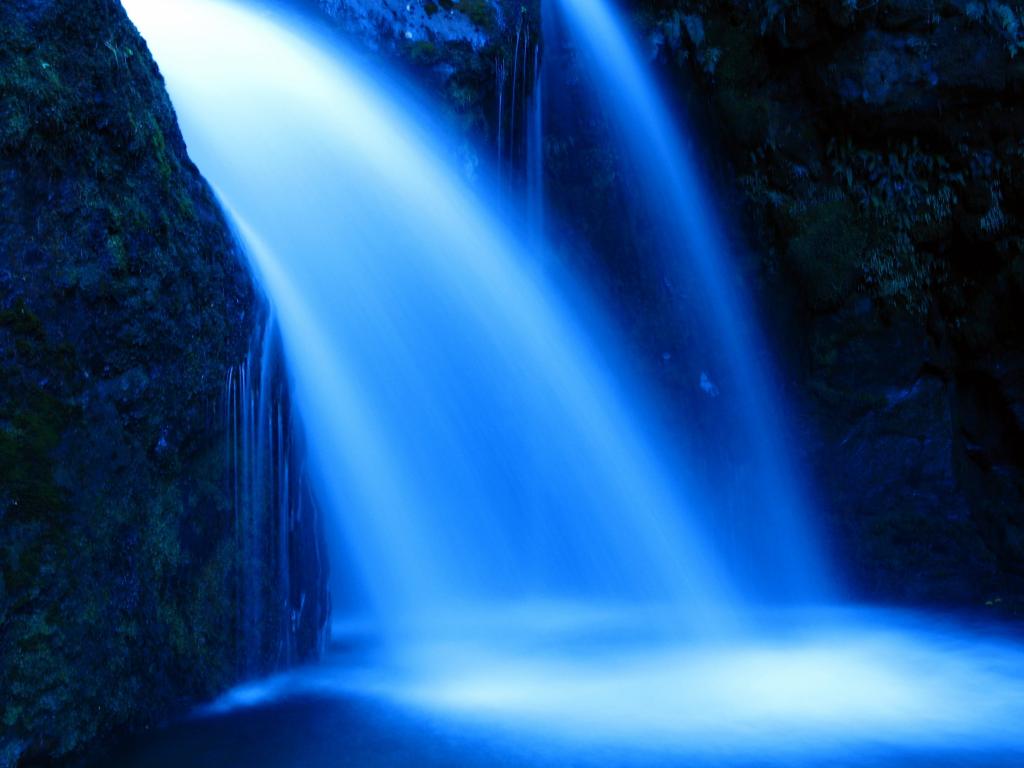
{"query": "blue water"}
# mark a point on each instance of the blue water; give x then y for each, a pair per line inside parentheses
(474, 433)
(533, 575)
(589, 688)
(766, 530)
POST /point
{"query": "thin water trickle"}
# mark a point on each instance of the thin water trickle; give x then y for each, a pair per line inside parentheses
(263, 453)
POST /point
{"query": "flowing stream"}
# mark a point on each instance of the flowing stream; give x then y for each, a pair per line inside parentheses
(761, 521)
(532, 573)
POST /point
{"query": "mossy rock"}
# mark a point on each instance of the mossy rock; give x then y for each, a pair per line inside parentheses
(481, 12)
(123, 302)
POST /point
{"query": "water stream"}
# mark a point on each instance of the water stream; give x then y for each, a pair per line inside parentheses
(533, 573)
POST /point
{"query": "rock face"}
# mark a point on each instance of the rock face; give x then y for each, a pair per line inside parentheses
(879, 149)
(477, 56)
(124, 305)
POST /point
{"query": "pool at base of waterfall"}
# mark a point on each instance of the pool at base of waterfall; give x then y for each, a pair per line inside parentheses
(846, 688)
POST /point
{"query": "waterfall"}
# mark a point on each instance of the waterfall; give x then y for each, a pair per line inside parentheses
(764, 521)
(476, 436)
(530, 551)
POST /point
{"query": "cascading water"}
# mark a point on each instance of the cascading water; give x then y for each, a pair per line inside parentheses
(535, 562)
(473, 445)
(763, 521)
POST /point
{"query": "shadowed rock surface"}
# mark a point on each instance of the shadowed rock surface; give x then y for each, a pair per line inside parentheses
(124, 303)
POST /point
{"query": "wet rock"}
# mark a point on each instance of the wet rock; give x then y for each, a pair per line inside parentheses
(877, 151)
(798, 26)
(477, 56)
(825, 253)
(124, 301)
(385, 22)
(908, 15)
(900, 72)
(887, 465)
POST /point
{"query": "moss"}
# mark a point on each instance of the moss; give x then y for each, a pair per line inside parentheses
(480, 12)
(27, 444)
(424, 52)
(20, 320)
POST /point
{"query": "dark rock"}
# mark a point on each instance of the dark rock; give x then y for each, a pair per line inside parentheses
(908, 15)
(824, 254)
(799, 26)
(887, 465)
(900, 72)
(124, 302)
(878, 148)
